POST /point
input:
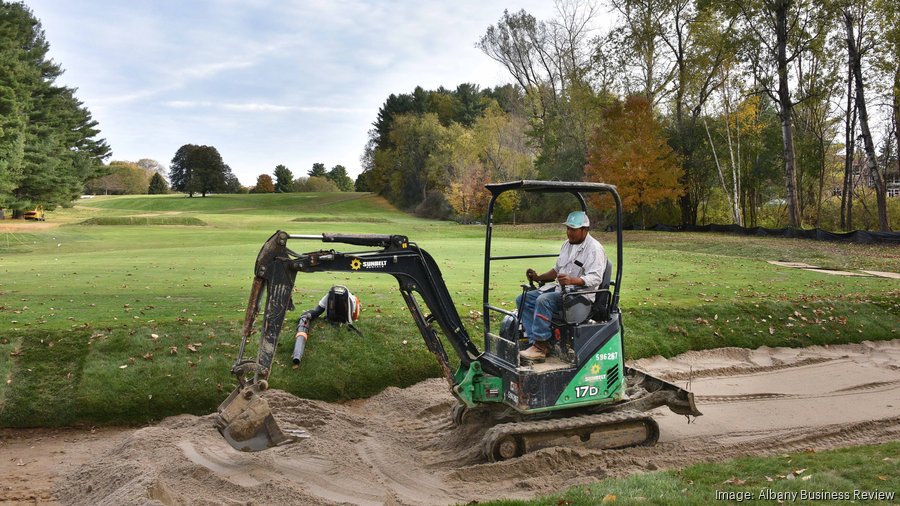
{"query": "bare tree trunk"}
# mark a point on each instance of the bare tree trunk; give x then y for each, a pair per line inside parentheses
(849, 130)
(787, 131)
(821, 180)
(871, 162)
(897, 114)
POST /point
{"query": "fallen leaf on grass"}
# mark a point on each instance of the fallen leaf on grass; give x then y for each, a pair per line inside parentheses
(148, 355)
(123, 366)
(772, 331)
(173, 350)
(608, 499)
(154, 336)
(807, 477)
(735, 481)
(882, 478)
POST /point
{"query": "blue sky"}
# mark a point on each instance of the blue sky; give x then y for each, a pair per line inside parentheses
(264, 81)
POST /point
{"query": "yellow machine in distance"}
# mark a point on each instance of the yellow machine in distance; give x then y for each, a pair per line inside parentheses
(36, 214)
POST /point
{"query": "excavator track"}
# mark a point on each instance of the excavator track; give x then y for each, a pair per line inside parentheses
(613, 430)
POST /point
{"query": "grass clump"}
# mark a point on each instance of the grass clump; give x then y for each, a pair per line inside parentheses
(145, 220)
(340, 219)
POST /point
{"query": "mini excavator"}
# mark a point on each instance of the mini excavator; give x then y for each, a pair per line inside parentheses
(583, 389)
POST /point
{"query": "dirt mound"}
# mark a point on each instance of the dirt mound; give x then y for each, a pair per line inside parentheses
(400, 447)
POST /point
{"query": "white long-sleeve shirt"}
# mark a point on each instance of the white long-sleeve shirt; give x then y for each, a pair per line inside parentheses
(586, 260)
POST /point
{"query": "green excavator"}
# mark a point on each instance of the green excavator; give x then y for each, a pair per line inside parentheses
(583, 389)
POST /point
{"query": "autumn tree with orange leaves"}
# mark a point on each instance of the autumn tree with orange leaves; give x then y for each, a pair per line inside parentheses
(631, 152)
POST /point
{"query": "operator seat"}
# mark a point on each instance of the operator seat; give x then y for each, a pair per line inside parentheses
(577, 308)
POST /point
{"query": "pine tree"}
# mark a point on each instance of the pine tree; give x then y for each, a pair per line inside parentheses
(318, 170)
(338, 176)
(283, 179)
(158, 185)
(48, 139)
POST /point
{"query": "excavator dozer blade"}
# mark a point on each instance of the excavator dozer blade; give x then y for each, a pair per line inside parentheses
(246, 422)
(653, 392)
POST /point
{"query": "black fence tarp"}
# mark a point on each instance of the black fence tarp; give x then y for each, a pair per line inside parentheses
(857, 236)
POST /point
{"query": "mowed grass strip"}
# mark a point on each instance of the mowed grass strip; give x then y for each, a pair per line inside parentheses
(113, 288)
(145, 220)
(849, 472)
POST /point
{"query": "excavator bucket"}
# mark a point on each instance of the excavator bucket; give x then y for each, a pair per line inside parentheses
(246, 422)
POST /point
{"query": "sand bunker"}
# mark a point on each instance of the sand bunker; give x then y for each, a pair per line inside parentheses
(835, 272)
(400, 447)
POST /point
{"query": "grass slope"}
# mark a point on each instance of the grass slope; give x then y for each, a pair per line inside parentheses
(135, 322)
(862, 474)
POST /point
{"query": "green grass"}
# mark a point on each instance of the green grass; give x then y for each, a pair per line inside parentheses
(79, 301)
(847, 471)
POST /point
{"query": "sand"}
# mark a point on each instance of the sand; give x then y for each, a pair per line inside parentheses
(400, 447)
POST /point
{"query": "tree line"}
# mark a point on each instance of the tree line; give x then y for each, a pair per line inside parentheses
(317, 179)
(755, 112)
(49, 144)
(201, 170)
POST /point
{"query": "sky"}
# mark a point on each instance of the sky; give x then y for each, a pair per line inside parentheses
(266, 82)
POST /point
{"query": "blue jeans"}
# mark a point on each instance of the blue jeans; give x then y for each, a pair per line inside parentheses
(537, 311)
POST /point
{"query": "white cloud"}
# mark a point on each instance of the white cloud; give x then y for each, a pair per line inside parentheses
(265, 81)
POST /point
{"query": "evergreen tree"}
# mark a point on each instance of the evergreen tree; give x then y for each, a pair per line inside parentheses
(318, 170)
(283, 179)
(158, 185)
(338, 176)
(48, 144)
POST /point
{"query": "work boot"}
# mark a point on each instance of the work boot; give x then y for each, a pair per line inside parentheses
(538, 350)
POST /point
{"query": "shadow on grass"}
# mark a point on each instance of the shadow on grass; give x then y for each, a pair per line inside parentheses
(46, 373)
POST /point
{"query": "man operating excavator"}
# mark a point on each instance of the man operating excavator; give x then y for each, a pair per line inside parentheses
(581, 262)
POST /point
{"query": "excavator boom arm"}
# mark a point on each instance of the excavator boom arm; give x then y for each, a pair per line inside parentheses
(241, 420)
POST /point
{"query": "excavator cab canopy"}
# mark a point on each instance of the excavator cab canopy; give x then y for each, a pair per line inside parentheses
(578, 190)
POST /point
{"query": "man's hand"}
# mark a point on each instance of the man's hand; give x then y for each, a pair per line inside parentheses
(564, 280)
(531, 275)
